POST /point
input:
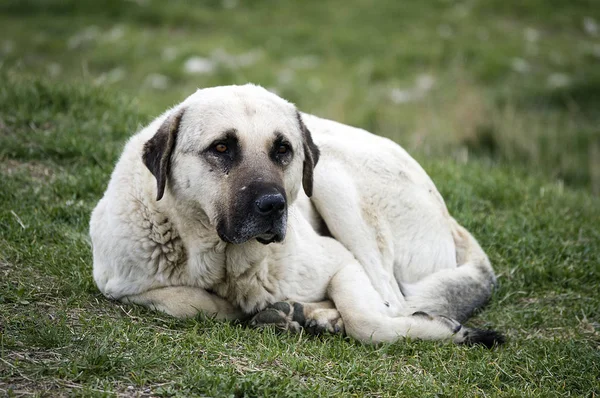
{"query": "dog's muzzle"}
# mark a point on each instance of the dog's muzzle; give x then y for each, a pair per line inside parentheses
(273, 206)
(259, 212)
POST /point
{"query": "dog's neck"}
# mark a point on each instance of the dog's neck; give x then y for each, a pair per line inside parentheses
(225, 268)
(193, 224)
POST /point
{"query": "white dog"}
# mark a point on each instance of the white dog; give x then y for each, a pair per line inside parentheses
(205, 212)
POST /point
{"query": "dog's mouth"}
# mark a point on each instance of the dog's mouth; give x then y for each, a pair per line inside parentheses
(272, 233)
(269, 237)
(258, 212)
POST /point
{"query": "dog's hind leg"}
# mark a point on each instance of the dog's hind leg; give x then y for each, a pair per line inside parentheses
(185, 302)
(366, 320)
(455, 292)
(360, 229)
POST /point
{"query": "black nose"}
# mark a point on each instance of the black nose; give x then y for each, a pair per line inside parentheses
(270, 203)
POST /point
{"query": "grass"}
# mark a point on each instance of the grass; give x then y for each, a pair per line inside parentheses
(511, 155)
(515, 81)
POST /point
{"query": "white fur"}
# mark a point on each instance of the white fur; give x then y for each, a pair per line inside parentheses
(391, 226)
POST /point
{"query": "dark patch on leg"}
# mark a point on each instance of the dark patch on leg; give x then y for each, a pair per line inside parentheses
(281, 306)
(299, 314)
(487, 338)
(291, 316)
(313, 328)
(268, 316)
(459, 299)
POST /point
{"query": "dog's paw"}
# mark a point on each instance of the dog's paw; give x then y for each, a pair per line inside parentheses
(315, 318)
(464, 335)
(279, 315)
(487, 338)
(324, 320)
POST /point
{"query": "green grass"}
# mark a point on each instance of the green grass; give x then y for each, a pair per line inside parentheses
(60, 335)
(512, 157)
(518, 81)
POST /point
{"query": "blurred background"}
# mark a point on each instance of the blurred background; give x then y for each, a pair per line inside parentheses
(510, 81)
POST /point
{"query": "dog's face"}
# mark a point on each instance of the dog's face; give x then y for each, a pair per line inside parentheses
(236, 154)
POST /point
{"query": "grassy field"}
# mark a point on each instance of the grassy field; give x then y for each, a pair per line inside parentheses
(516, 81)
(497, 99)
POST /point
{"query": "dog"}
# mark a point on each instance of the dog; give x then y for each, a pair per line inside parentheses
(236, 205)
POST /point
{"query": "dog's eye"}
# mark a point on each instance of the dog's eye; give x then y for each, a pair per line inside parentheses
(281, 152)
(283, 149)
(221, 148)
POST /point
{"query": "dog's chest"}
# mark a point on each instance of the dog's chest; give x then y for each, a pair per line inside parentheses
(251, 280)
(163, 247)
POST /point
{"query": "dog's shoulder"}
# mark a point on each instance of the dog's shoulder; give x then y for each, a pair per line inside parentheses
(132, 236)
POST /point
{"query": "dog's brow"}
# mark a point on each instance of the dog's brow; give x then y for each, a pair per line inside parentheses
(227, 135)
(230, 134)
(278, 136)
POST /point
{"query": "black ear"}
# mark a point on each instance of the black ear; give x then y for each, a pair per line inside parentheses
(157, 151)
(311, 157)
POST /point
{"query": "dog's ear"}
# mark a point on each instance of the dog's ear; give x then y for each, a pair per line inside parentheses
(157, 150)
(311, 157)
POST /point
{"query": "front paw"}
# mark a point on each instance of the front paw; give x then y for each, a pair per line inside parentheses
(315, 318)
(280, 315)
(324, 320)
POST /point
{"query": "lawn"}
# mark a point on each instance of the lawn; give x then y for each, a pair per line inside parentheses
(497, 99)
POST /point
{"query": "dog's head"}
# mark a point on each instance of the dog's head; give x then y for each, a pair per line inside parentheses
(238, 154)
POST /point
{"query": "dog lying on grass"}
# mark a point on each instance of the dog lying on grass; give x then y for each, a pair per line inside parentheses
(234, 204)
